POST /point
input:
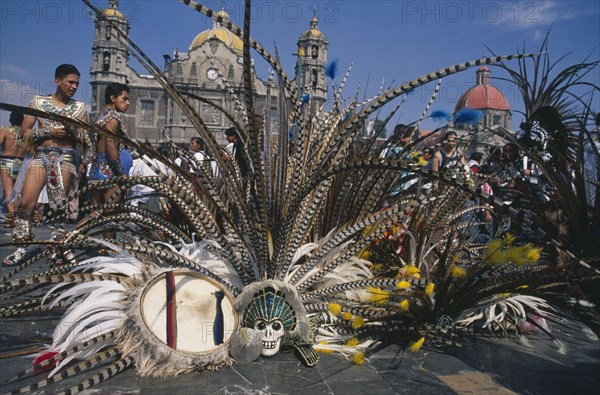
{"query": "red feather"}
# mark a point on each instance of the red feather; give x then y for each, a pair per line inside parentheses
(43, 357)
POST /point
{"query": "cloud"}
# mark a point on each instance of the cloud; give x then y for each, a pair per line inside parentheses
(11, 68)
(533, 14)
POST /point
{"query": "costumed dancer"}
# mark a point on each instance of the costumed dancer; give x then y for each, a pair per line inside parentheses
(111, 160)
(10, 162)
(53, 148)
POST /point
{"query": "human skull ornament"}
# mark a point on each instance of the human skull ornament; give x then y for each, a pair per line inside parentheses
(271, 334)
(272, 310)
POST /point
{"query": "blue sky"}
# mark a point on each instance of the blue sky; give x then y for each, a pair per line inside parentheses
(390, 42)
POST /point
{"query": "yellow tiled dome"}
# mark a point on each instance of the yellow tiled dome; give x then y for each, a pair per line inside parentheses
(314, 29)
(220, 33)
(113, 12)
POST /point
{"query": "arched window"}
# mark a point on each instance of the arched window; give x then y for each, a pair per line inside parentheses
(106, 61)
(314, 51)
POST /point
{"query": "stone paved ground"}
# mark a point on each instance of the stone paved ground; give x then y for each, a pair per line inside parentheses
(481, 366)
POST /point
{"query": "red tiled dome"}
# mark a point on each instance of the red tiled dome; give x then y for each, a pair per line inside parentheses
(483, 95)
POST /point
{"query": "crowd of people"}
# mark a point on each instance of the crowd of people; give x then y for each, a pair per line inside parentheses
(44, 160)
(504, 172)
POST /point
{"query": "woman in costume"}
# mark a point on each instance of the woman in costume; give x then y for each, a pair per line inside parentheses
(107, 162)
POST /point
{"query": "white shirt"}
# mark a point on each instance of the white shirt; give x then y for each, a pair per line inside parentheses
(140, 193)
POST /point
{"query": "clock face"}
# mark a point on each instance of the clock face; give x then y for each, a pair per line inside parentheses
(212, 74)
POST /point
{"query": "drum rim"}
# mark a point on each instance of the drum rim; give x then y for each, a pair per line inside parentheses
(228, 295)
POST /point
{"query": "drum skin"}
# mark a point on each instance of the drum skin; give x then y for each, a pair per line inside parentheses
(188, 312)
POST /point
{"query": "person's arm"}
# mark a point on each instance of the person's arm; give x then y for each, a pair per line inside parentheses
(83, 137)
(2, 137)
(112, 145)
(435, 164)
(112, 148)
(27, 125)
(435, 167)
(38, 135)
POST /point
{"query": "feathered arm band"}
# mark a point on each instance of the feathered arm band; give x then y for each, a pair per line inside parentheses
(34, 137)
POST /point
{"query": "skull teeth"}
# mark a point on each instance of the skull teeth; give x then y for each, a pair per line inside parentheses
(269, 345)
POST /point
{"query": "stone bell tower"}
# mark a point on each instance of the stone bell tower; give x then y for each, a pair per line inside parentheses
(109, 54)
(311, 63)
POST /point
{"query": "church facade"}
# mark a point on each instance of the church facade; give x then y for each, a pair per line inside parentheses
(212, 69)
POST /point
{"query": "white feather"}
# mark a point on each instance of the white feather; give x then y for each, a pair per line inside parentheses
(82, 289)
(82, 330)
(83, 354)
(81, 312)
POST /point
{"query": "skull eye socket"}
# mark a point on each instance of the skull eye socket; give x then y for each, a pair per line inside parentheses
(277, 326)
(261, 325)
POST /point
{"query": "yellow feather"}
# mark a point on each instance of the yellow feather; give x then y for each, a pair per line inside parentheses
(509, 239)
(417, 345)
(377, 295)
(335, 308)
(458, 271)
(409, 270)
(365, 254)
(494, 253)
(404, 305)
(347, 316)
(533, 253)
(357, 322)
(403, 285)
(352, 342)
(358, 358)
(429, 289)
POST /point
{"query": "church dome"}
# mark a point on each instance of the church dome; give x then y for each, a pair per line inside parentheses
(220, 33)
(314, 29)
(483, 96)
(113, 10)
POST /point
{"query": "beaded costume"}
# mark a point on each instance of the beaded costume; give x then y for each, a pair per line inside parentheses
(12, 164)
(53, 159)
(102, 167)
